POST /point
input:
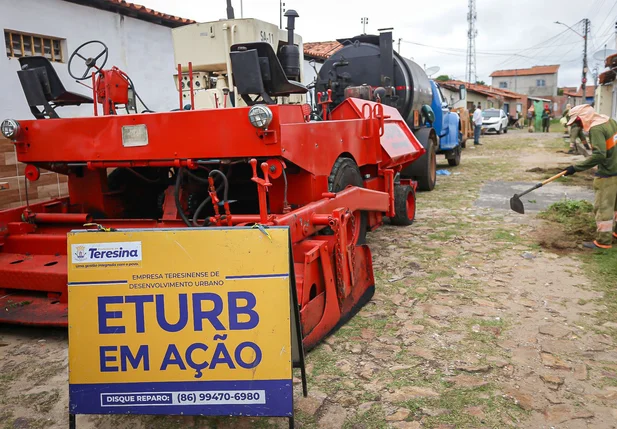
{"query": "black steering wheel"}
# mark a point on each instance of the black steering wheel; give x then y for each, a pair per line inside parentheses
(90, 61)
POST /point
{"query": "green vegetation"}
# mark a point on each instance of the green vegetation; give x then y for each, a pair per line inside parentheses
(601, 267)
(575, 216)
(452, 408)
(373, 418)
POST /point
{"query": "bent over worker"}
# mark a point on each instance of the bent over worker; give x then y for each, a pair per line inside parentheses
(603, 138)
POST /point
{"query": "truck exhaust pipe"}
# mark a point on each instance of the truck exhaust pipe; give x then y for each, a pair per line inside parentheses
(291, 25)
(230, 10)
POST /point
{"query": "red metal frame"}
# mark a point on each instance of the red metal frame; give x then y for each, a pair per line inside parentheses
(333, 275)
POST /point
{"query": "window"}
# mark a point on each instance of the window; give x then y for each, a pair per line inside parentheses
(20, 44)
(540, 82)
(503, 84)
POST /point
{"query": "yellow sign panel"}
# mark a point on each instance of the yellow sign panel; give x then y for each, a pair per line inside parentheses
(180, 321)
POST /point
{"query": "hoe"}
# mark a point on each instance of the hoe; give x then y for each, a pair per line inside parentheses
(329, 179)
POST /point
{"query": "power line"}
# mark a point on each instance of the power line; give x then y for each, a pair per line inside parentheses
(460, 53)
(606, 17)
(544, 44)
(502, 52)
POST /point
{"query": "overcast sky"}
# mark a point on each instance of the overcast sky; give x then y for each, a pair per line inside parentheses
(508, 36)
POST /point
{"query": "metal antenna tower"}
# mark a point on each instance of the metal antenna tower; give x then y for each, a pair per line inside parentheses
(470, 69)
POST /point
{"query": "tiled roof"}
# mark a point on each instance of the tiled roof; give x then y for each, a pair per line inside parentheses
(606, 77)
(136, 11)
(589, 91)
(486, 90)
(611, 61)
(526, 72)
(321, 50)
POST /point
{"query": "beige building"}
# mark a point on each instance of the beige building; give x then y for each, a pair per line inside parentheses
(606, 91)
(537, 81)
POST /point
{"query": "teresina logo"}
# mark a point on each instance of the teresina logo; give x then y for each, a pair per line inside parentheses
(120, 253)
(106, 252)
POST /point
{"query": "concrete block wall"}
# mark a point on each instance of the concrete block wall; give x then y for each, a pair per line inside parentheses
(50, 185)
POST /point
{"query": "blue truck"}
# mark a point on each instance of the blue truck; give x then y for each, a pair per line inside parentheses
(447, 125)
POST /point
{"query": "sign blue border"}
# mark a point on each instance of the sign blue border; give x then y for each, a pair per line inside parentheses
(94, 398)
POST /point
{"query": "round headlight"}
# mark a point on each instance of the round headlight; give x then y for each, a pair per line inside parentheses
(260, 116)
(10, 128)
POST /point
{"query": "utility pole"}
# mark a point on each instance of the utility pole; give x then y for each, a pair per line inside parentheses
(470, 72)
(399, 45)
(364, 22)
(282, 11)
(584, 78)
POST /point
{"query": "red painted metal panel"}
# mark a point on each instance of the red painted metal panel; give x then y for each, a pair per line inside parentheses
(45, 273)
(29, 309)
(33, 257)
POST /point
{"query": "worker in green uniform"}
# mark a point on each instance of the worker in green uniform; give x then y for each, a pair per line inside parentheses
(603, 138)
(565, 117)
(575, 131)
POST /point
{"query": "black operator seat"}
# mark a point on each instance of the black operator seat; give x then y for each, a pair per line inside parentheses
(257, 71)
(43, 87)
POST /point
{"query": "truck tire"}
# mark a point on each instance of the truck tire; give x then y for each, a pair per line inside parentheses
(404, 205)
(456, 160)
(345, 172)
(424, 169)
(462, 140)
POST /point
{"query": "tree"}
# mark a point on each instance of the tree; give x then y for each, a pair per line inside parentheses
(480, 82)
(443, 78)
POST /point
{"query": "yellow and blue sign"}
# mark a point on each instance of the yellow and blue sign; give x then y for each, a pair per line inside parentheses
(193, 322)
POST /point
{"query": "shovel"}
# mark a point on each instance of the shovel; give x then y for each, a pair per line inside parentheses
(515, 202)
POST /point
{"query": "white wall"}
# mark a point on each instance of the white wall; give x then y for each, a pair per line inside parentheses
(453, 98)
(141, 49)
(309, 73)
(604, 99)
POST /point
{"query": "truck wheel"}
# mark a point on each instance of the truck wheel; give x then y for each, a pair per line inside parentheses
(426, 182)
(404, 205)
(456, 160)
(462, 141)
(346, 173)
(424, 169)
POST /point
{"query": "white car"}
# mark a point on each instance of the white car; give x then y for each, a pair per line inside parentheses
(494, 120)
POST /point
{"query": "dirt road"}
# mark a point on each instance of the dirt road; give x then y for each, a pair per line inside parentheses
(473, 325)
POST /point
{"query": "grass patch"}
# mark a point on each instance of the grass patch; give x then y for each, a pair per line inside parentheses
(373, 418)
(575, 216)
(443, 235)
(602, 269)
(454, 402)
(505, 235)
